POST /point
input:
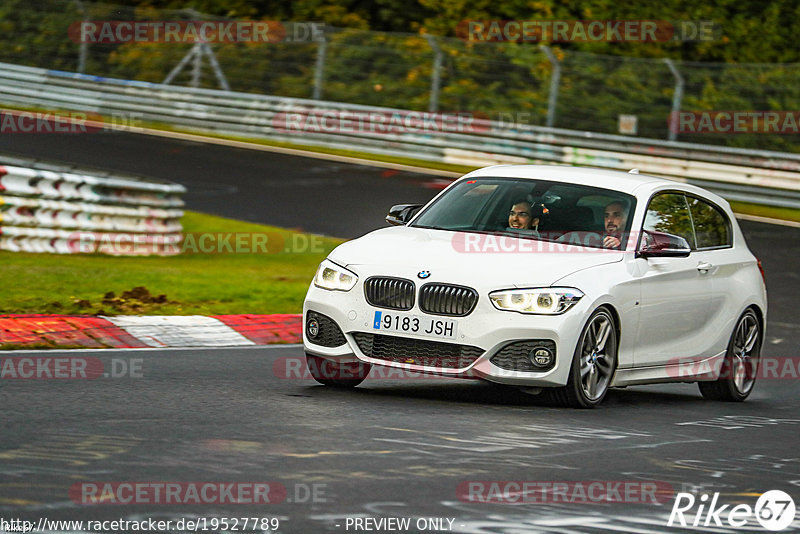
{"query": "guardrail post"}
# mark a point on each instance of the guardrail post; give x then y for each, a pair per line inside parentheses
(555, 80)
(83, 50)
(677, 98)
(436, 76)
(319, 68)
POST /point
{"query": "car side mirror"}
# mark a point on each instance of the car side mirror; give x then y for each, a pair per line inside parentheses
(400, 214)
(663, 245)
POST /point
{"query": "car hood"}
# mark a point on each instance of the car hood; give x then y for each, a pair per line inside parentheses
(466, 258)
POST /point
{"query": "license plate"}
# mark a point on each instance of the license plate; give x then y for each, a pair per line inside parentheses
(415, 324)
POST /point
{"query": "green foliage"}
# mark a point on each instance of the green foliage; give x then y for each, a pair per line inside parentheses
(599, 80)
(35, 33)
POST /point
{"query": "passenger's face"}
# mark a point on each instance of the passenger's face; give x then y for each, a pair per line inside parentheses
(520, 216)
(615, 218)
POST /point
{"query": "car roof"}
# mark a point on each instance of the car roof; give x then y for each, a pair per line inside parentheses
(609, 179)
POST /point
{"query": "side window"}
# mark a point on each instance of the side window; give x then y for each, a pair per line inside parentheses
(710, 224)
(669, 213)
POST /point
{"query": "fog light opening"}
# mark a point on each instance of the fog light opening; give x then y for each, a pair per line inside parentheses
(540, 356)
(312, 328)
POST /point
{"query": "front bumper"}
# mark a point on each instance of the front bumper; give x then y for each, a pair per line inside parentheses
(486, 328)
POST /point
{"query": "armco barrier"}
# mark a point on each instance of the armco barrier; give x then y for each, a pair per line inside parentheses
(771, 178)
(66, 211)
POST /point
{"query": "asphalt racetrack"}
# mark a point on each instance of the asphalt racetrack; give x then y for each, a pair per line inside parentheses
(426, 450)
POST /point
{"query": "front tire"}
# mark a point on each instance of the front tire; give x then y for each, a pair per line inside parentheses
(330, 373)
(593, 364)
(740, 367)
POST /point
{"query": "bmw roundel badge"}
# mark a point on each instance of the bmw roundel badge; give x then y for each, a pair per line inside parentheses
(424, 274)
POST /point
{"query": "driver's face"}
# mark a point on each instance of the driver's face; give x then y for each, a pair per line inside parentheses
(520, 216)
(615, 218)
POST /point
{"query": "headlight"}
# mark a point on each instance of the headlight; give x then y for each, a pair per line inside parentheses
(541, 301)
(331, 276)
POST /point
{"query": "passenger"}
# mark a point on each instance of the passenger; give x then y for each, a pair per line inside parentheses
(615, 217)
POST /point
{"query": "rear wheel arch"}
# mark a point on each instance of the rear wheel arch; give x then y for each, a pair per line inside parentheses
(741, 364)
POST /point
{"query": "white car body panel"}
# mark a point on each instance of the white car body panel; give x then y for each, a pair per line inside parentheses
(437, 251)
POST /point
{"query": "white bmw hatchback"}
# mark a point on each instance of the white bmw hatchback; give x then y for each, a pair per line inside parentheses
(562, 280)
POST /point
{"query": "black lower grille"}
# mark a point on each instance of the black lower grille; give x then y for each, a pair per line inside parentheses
(417, 351)
(391, 293)
(514, 356)
(328, 334)
(447, 299)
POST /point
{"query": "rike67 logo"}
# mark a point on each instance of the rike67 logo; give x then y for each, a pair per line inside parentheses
(774, 510)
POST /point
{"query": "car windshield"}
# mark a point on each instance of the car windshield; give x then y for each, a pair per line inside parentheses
(532, 209)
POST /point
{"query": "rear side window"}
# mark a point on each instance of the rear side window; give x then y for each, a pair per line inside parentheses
(669, 213)
(711, 226)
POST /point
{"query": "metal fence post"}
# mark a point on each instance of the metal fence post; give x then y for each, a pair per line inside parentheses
(212, 59)
(197, 65)
(677, 98)
(83, 50)
(319, 69)
(177, 68)
(436, 76)
(555, 80)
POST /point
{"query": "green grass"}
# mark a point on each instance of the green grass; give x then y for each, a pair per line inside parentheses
(206, 284)
(785, 214)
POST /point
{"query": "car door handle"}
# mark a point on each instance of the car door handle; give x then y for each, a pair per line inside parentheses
(704, 267)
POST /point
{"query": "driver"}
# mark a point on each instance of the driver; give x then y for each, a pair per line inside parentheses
(615, 217)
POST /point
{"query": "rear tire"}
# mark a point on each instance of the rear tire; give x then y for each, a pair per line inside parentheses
(740, 367)
(593, 364)
(330, 373)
